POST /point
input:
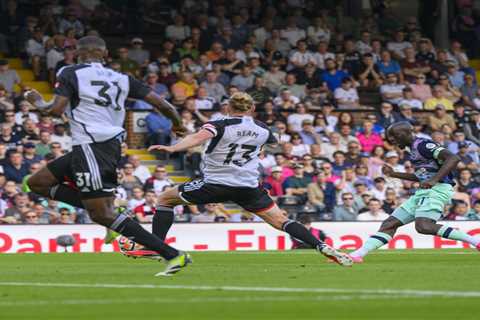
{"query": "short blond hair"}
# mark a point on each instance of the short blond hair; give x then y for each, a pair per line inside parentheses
(241, 102)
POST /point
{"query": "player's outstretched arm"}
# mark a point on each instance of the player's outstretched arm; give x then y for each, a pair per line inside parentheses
(55, 107)
(186, 143)
(167, 109)
(449, 163)
(389, 172)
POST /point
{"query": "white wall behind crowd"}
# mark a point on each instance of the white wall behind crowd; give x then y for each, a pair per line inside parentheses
(216, 237)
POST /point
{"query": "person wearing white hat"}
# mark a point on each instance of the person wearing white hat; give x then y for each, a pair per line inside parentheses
(137, 53)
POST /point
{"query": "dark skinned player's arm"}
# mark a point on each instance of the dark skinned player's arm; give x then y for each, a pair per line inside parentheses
(164, 107)
(449, 163)
(404, 176)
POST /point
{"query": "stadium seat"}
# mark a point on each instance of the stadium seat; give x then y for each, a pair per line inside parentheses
(25, 75)
(15, 63)
(475, 64)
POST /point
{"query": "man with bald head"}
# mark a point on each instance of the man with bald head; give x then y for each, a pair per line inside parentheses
(433, 171)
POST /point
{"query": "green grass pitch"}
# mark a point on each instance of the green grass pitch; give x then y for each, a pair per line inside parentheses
(416, 284)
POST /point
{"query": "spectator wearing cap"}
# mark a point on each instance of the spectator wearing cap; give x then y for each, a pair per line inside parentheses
(322, 193)
(346, 211)
(70, 21)
(406, 113)
(127, 65)
(421, 90)
(177, 31)
(392, 158)
(374, 213)
(438, 98)
(308, 134)
(368, 138)
(368, 73)
(439, 118)
(214, 89)
(346, 96)
(274, 182)
(30, 155)
(410, 100)
(137, 53)
(60, 135)
(8, 78)
(15, 168)
(391, 90)
(332, 76)
(470, 92)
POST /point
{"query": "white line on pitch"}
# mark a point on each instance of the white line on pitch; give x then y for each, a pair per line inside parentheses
(409, 292)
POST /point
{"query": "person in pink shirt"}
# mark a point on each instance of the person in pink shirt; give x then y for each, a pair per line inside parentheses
(283, 163)
(420, 89)
(367, 138)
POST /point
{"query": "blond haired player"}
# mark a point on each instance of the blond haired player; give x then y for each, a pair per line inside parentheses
(231, 173)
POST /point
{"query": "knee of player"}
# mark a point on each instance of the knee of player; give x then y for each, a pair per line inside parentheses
(388, 225)
(424, 227)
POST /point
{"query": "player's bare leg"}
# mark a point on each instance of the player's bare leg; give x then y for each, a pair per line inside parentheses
(431, 227)
(380, 238)
(277, 218)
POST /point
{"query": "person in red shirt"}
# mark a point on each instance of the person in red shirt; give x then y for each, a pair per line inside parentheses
(273, 183)
(146, 211)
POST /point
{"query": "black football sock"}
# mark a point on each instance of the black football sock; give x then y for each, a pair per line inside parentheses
(162, 221)
(65, 194)
(301, 233)
(134, 231)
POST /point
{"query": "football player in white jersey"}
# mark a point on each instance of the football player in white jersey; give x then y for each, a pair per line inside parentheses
(93, 97)
(231, 174)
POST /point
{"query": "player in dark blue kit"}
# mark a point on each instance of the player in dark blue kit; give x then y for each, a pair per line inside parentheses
(433, 170)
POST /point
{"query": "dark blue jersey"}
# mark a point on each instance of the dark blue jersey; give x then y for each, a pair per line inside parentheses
(424, 157)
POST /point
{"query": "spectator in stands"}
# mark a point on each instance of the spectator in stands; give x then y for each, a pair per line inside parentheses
(387, 66)
(470, 92)
(214, 89)
(455, 76)
(346, 95)
(70, 21)
(411, 67)
(212, 213)
(43, 147)
(367, 138)
(140, 171)
(392, 91)
(374, 213)
(391, 201)
(36, 50)
(15, 168)
(137, 53)
(55, 55)
(159, 128)
(363, 45)
(333, 145)
(7, 138)
(333, 76)
(408, 99)
(322, 189)
(387, 116)
(451, 93)
(25, 113)
(177, 31)
(292, 33)
(21, 204)
(296, 185)
(308, 134)
(144, 212)
(127, 65)
(273, 183)
(68, 59)
(398, 45)
(439, 118)
(29, 154)
(259, 92)
(136, 199)
(60, 135)
(368, 73)
(421, 90)
(159, 181)
(202, 101)
(346, 211)
(438, 98)
(128, 180)
(322, 54)
(296, 119)
(8, 78)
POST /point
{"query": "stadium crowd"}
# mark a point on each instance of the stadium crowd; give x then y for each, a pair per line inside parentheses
(327, 79)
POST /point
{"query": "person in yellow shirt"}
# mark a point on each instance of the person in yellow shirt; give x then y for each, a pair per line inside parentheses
(184, 88)
(438, 99)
